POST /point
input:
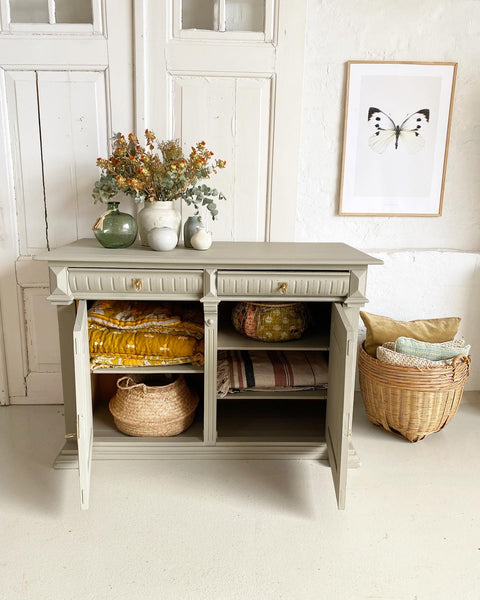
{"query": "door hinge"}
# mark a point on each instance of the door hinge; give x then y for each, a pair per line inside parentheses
(71, 436)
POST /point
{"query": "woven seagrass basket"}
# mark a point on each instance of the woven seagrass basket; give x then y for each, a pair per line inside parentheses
(159, 410)
(409, 401)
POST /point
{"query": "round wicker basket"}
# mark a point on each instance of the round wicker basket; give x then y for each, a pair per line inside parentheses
(160, 410)
(409, 401)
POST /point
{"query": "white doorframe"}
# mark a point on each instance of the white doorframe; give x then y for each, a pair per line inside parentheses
(11, 361)
(4, 397)
(290, 28)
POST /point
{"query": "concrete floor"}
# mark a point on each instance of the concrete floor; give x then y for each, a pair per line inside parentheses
(256, 530)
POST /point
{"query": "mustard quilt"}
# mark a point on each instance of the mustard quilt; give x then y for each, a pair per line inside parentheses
(131, 333)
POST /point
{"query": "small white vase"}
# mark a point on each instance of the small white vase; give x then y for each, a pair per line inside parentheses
(162, 238)
(202, 240)
(158, 214)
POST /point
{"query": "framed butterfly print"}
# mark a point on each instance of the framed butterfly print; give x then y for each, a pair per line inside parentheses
(397, 127)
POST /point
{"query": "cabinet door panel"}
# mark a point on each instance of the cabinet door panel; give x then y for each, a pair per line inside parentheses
(341, 381)
(83, 392)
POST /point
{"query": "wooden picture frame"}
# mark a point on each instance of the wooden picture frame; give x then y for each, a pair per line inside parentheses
(396, 133)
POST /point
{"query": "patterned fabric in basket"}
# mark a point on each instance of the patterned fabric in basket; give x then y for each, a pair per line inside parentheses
(386, 353)
(270, 322)
(434, 352)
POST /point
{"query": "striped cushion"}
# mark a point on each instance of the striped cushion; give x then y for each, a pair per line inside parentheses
(427, 350)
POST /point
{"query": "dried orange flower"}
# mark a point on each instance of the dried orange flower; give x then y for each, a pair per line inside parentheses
(166, 175)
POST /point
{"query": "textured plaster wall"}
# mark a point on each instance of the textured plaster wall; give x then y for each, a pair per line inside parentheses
(431, 263)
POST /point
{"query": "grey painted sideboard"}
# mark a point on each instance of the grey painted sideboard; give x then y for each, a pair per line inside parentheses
(331, 277)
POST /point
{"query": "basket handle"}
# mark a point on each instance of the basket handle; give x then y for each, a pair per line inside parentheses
(130, 385)
(458, 360)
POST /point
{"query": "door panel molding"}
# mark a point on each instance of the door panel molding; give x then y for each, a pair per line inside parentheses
(341, 369)
(233, 114)
(83, 393)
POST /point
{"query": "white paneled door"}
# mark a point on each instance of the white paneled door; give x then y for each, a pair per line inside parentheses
(225, 71)
(229, 72)
(58, 73)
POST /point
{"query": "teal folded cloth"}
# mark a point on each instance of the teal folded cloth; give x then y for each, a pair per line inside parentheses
(429, 350)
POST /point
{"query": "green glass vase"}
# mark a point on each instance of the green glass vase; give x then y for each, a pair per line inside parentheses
(115, 229)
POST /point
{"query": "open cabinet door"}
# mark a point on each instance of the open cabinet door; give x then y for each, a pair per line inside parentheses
(83, 392)
(341, 381)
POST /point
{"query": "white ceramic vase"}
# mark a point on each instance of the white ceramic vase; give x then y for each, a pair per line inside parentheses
(162, 239)
(202, 240)
(158, 214)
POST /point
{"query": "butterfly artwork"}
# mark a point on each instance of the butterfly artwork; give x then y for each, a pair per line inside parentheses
(386, 132)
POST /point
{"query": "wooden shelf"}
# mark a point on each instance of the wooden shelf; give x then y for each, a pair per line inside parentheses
(188, 368)
(230, 339)
(314, 395)
(284, 420)
(104, 429)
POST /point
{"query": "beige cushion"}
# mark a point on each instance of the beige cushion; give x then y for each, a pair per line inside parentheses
(382, 329)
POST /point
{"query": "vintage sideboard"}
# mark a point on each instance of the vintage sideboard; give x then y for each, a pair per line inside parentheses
(331, 277)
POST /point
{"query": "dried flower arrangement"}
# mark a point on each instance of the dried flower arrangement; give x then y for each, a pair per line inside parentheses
(146, 175)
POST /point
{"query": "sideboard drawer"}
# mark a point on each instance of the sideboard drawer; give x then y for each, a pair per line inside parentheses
(286, 284)
(141, 283)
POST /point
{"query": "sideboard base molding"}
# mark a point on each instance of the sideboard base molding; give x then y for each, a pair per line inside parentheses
(68, 456)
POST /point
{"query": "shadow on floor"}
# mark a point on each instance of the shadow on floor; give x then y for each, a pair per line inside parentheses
(30, 438)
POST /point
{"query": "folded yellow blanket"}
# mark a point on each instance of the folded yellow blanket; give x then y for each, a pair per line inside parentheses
(165, 317)
(125, 333)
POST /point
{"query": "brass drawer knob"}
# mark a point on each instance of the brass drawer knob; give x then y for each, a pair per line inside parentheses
(137, 284)
(283, 287)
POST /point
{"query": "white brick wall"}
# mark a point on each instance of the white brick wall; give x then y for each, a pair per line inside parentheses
(431, 263)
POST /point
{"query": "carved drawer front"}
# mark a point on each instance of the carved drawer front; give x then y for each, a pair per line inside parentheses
(286, 284)
(141, 283)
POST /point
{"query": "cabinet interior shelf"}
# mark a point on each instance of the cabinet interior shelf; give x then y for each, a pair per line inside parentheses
(187, 368)
(249, 420)
(275, 395)
(257, 421)
(104, 429)
(230, 339)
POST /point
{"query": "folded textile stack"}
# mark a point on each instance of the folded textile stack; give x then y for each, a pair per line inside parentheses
(270, 371)
(409, 352)
(131, 333)
(420, 343)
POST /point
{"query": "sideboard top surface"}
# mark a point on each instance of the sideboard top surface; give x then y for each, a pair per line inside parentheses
(286, 255)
